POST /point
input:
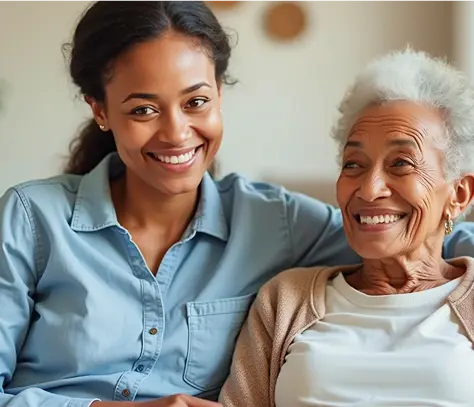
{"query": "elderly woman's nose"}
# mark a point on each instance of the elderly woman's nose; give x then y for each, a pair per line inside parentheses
(373, 186)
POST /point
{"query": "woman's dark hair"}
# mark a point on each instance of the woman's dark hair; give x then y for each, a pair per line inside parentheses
(105, 31)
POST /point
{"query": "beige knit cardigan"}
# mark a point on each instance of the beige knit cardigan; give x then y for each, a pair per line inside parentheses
(286, 306)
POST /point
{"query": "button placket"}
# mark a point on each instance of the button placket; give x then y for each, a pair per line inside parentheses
(129, 383)
(153, 291)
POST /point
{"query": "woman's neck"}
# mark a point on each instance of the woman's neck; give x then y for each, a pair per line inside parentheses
(403, 274)
(138, 206)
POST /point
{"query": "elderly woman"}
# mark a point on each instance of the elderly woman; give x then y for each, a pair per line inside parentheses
(397, 330)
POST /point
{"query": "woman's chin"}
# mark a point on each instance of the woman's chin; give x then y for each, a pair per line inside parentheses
(178, 187)
(376, 250)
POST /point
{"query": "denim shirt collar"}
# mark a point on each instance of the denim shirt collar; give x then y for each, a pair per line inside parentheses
(94, 210)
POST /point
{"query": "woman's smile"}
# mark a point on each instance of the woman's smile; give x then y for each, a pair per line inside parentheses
(380, 222)
(176, 162)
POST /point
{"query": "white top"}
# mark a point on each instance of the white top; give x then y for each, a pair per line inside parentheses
(393, 350)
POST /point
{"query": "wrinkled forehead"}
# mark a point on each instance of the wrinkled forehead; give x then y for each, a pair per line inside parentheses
(399, 119)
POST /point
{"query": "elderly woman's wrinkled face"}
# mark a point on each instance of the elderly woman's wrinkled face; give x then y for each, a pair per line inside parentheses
(392, 189)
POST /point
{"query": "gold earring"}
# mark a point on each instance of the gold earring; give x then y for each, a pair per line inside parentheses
(448, 226)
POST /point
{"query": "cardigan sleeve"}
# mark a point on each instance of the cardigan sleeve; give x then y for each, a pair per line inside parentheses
(283, 308)
(249, 381)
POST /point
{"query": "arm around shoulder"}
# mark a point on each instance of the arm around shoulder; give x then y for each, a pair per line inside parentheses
(316, 233)
(460, 242)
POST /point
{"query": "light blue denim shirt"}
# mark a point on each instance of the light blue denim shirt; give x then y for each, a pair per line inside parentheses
(82, 317)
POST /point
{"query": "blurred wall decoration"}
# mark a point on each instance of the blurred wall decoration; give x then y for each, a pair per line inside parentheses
(284, 21)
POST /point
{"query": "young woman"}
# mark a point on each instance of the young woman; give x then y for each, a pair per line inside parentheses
(127, 279)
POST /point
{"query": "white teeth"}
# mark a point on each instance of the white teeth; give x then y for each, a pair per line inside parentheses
(176, 159)
(374, 220)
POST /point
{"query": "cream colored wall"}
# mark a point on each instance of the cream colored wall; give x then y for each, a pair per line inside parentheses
(276, 120)
(463, 36)
(297, 87)
(40, 111)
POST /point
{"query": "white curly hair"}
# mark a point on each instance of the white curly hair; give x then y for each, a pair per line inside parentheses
(417, 77)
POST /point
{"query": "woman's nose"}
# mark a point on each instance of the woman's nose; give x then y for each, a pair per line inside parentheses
(373, 186)
(175, 128)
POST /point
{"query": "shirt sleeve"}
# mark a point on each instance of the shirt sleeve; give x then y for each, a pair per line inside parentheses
(316, 233)
(460, 242)
(19, 262)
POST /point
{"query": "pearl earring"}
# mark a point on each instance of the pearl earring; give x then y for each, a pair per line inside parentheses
(102, 127)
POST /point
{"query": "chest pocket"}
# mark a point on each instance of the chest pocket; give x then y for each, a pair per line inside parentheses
(213, 330)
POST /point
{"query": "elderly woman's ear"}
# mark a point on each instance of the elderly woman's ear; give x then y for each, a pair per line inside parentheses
(462, 196)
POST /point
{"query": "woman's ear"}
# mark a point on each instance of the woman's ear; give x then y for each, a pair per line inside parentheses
(463, 194)
(98, 110)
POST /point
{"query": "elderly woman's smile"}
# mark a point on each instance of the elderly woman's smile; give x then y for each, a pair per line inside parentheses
(377, 219)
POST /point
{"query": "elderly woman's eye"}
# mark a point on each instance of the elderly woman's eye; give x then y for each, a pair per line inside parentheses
(350, 165)
(401, 163)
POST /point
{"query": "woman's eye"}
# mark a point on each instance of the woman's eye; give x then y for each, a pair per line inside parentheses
(350, 165)
(401, 163)
(195, 103)
(143, 111)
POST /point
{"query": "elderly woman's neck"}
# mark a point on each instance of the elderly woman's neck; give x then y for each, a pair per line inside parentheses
(403, 274)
